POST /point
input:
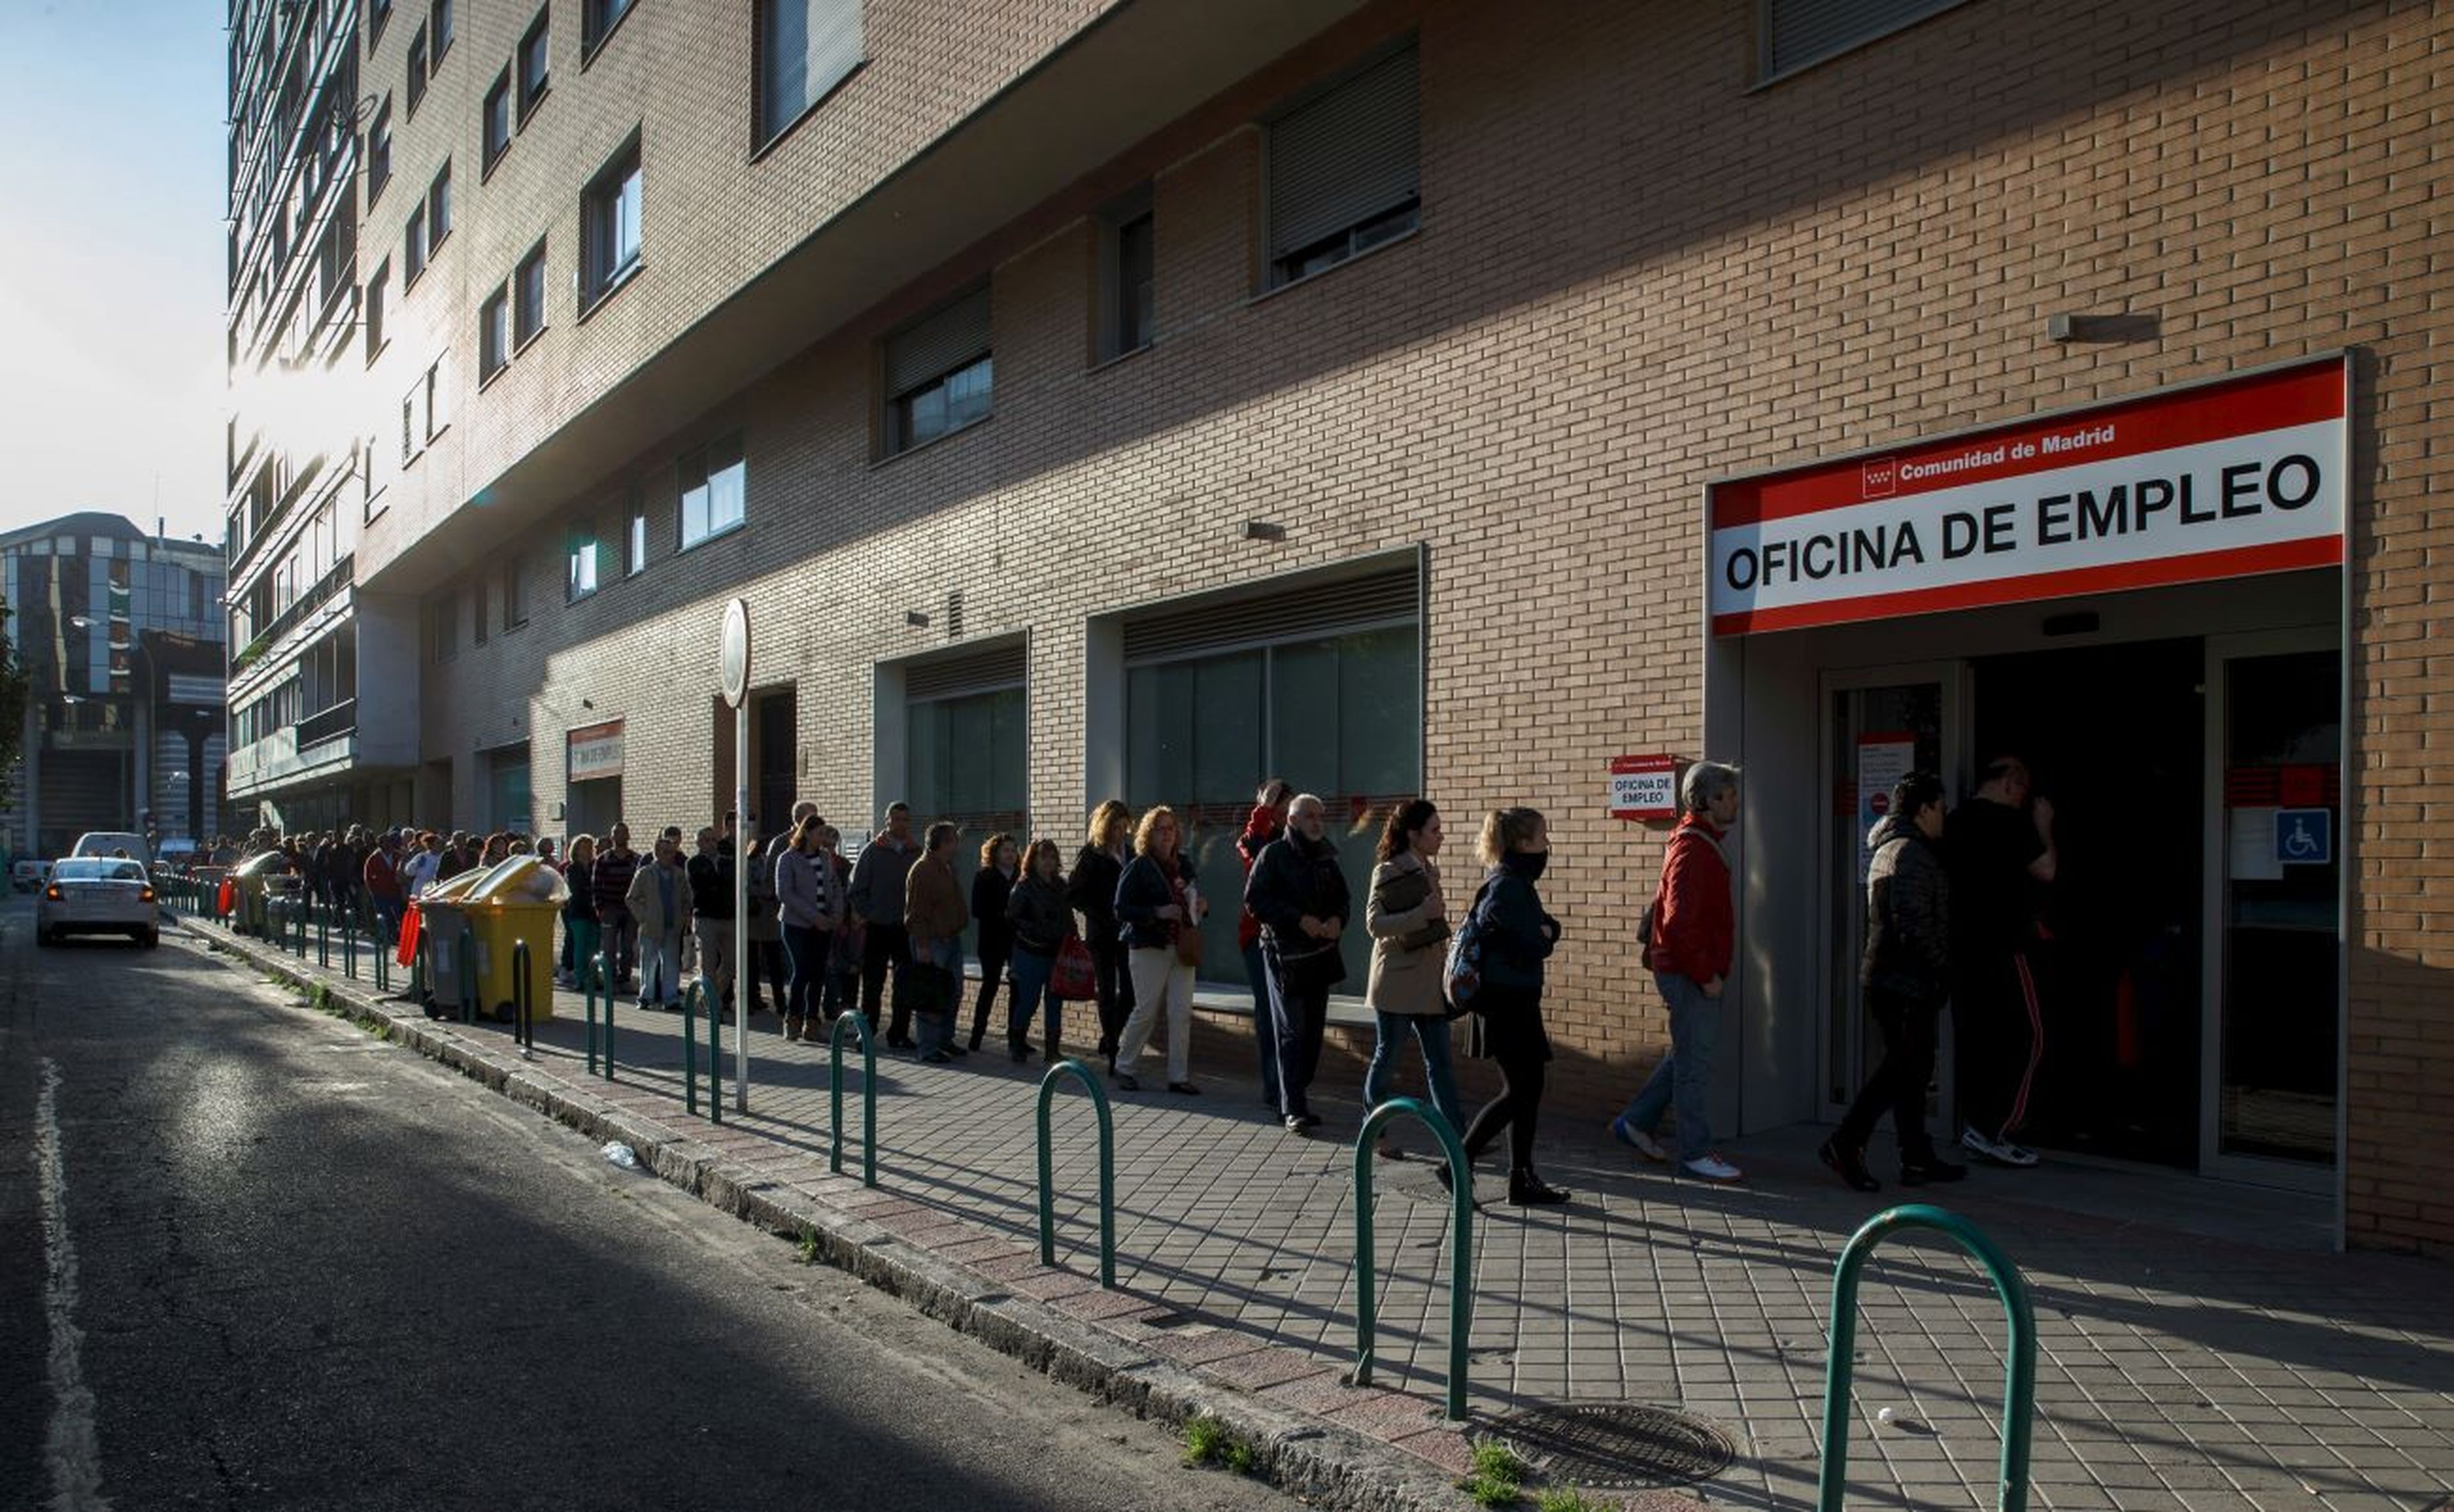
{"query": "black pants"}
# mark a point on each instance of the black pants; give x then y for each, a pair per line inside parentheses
(1518, 1105)
(1898, 1084)
(2000, 1037)
(1299, 1016)
(1114, 984)
(992, 973)
(886, 948)
(768, 959)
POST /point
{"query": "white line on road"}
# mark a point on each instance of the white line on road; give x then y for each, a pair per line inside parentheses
(70, 1448)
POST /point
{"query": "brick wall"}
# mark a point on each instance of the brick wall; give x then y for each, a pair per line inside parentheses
(1633, 273)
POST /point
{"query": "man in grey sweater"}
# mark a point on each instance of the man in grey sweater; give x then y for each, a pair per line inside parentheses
(877, 878)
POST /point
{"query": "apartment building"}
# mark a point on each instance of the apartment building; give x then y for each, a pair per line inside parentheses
(1501, 403)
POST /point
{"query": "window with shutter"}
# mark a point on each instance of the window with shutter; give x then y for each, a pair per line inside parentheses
(1794, 34)
(1343, 171)
(938, 372)
(805, 49)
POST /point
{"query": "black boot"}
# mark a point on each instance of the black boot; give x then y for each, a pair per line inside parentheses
(1849, 1162)
(1928, 1169)
(1525, 1189)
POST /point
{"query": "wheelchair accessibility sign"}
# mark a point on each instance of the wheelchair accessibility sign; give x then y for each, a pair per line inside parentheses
(2304, 836)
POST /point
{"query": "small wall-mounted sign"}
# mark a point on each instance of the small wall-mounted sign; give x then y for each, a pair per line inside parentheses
(1644, 787)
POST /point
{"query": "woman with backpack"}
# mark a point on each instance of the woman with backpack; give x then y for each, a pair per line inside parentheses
(1508, 939)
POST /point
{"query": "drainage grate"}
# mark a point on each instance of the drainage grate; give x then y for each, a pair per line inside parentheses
(1615, 1445)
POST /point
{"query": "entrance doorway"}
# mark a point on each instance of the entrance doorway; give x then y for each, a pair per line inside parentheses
(2112, 735)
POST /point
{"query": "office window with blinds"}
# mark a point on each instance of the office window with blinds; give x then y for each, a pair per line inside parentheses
(938, 373)
(1793, 34)
(1343, 171)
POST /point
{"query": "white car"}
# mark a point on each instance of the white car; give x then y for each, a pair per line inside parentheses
(98, 896)
(113, 842)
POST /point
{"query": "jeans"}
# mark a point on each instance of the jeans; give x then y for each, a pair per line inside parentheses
(714, 955)
(621, 940)
(581, 936)
(809, 947)
(1431, 1032)
(992, 970)
(1898, 1086)
(1299, 1003)
(1161, 981)
(1265, 1023)
(935, 1030)
(660, 968)
(768, 964)
(885, 947)
(1115, 988)
(1031, 972)
(1684, 1078)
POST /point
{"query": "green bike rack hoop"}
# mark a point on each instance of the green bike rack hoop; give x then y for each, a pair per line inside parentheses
(1107, 1168)
(1460, 1244)
(860, 1026)
(2019, 1355)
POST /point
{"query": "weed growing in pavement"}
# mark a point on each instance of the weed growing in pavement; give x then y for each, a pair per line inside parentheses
(1207, 1441)
(1499, 1476)
(1563, 1498)
(809, 1246)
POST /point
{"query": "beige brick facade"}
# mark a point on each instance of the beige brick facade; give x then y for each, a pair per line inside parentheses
(1635, 272)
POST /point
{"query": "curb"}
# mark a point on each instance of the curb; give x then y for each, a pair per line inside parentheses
(1325, 1463)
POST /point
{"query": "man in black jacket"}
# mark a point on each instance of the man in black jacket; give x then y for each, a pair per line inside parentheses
(1298, 893)
(1905, 973)
(710, 887)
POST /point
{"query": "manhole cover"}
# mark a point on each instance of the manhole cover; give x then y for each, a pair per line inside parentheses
(1615, 1445)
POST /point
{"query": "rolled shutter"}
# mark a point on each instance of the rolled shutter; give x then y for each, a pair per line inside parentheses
(1798, 32)
(984, 670)
(1346, 158)
(938, 343)
(1321, 608)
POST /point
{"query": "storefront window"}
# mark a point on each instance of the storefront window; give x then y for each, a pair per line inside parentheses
(964, 763)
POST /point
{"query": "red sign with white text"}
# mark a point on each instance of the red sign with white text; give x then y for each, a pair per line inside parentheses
(2221, 480)
(1644, 787)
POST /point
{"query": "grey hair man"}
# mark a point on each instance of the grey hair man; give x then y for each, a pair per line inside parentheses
(1298, 892)
(1690, 947)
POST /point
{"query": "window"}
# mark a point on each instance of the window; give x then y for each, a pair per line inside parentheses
(494, 333)
(528, 299)
(515, 592)
(534, 61)
(416, 69)
(610, 214)
(805, 49)
(377, 286)
(378, 14)
(412, 247)
(442, 18)
(635, 556)
(438, 208)
(380, 151)
(938, 372)
(496, 134)
(477, 613)
(597, 19)
(1127, 275)
(965, 758)
(426, 410)
(1795, 33)
(579, 563)
(713, 480)
(1343, 171)
(444, 615)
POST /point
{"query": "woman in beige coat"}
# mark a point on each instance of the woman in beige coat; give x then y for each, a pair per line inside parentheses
(1408, 920)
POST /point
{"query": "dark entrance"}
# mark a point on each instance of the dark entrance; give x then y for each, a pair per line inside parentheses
(2115, 736)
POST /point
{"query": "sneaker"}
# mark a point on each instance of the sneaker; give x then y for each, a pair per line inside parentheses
(1636, 1139)
(2001, 1152)
(1125, 1081)
(1711, 1168)
(1849, 1164)
(1296, 1123)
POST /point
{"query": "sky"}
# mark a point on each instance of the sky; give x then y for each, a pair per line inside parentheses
(114, 260)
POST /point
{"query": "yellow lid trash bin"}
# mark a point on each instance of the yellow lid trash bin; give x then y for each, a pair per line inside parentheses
(517, 900)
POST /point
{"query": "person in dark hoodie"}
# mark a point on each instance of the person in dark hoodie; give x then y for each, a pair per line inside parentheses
(1298, 892)
(1267, 821)
(1905, 972)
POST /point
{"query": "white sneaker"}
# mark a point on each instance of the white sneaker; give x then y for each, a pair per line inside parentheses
(1636, 1139)
(2018, 1153)
(2001, 1152)
(1712, 1168)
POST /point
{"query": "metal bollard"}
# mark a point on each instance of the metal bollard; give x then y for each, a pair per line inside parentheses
(868, 1095)
(689, 1049)
(588, 996)
(714, 1004)
(605, 984)
(523, 1001)
(1460, 1244)
(1107, 1168)
(350, 950)
(323, 913)
(2020, 1354)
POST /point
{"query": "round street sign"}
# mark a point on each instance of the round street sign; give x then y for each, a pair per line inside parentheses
(733, 655)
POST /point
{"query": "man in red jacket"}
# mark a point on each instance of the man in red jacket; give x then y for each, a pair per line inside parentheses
(1695, 935)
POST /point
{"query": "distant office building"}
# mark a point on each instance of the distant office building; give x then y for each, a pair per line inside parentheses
(120, 635)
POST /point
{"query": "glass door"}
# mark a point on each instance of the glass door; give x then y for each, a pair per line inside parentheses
(1879, 724)
(2270, 1056)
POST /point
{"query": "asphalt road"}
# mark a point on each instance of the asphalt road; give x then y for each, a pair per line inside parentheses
(251, 1257)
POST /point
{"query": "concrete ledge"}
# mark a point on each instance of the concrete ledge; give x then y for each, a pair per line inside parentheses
(1324, 1462)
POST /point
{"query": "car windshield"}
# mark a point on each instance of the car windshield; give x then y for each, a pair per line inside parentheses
(109, 871)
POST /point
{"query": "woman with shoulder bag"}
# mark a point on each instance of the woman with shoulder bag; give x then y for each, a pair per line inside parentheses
(1036, 912)
(1407, 919)
(1097, 867)
(1159, 907)
(1516, 937)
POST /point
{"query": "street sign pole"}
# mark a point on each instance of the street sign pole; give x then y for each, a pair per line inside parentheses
(733, 655)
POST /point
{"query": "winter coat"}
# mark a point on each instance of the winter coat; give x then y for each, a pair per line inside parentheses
(1694, 928)
(1260, 827)
(646, 901)
(1908, 916)
(615, 870)
(710, 880)
(989, 889)
(933, 901)
(879, 879)
(1093, 893)
(758, 894)
(580, 907)
(1297, 879)
(1145, 887)
(1041, 918)
(806, 894)
(1402, 981)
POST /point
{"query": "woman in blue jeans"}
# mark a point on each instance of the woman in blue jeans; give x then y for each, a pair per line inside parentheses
(1042, 924)
(1407, 919)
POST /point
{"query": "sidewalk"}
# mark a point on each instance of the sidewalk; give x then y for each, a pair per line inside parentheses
(2197, 1347)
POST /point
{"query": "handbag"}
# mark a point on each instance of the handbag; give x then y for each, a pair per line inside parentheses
(1073, 978)
(1404, 893)
(1188, 945)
